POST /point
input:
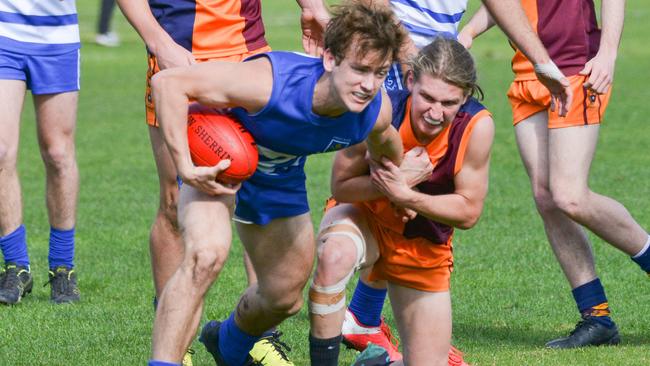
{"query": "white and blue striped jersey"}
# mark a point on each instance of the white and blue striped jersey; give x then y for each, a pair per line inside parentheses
(39, 27)
(426, 19)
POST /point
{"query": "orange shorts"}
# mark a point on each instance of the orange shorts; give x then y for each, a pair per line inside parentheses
(414, 263)
(153, 69)
(528, 97)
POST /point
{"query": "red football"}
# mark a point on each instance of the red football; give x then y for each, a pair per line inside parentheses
(214, 136)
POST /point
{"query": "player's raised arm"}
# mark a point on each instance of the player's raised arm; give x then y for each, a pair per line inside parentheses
(480, 22)
(158, 42)
(510, 17)
(384, 140)
(218, 84)
(313, 21)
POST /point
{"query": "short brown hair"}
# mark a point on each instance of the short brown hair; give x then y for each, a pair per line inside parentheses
(374, 27)
(446, 59)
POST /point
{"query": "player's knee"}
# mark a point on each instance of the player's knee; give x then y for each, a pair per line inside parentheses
(168, 209)
(543, 199)
(287, 305)
(336, 259)
(569, 203)
(206, 263)
(58, 157)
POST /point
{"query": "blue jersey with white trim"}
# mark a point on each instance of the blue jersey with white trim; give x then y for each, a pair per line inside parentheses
(427, 19)
(39, 27)
(286, 130)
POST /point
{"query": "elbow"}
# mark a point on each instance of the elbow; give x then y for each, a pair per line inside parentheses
(339, 195)
(470, 220)
(343, 195)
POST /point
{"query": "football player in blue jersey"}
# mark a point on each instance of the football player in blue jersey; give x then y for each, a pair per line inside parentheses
(293, 105)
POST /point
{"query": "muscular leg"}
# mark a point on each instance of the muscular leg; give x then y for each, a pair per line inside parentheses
(337, 257)
(568, 240)
(165, 241)
(282, 253)
(12, 96)
(205, 225)
(571, 151)
(250, 270)
(425, 333)
(344, 242)
(57, 115)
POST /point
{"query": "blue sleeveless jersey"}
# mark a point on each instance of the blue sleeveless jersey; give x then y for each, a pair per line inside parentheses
(286, 131)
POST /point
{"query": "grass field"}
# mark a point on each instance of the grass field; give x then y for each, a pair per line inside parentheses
(509, 294)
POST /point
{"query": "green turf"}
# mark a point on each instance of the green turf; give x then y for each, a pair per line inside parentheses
(509, 294)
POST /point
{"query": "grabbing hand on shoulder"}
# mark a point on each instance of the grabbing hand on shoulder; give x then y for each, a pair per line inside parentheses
(416, 166)
(389, 180)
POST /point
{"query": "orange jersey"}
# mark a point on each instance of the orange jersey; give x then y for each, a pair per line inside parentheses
(212, 28)
(446, 153)
(567, 28)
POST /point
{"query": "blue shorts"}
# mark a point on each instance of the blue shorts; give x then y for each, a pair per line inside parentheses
(259, 203)
(43, 74)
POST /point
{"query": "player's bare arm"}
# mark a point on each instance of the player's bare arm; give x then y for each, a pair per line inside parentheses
(384, 140)
(460, 209)
(601, 68)
(480, 22)
(216, 84)
(313, 21)
(168, 53)
(351, 173)
(510, 17)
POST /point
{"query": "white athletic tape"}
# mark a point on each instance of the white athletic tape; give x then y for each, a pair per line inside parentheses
(338, 289)
(550, 70)
(356, 237)
(322, 309)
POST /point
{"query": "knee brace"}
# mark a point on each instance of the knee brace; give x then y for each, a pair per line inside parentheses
(325, 300)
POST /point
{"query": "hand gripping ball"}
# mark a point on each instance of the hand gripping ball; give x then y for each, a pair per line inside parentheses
(214, 136)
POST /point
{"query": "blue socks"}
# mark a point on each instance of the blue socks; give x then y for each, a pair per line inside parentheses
(367, 303)
(591, 301)
(234, 344)
(642, 258)
(14, 247)
(61, 248)
(161, 363)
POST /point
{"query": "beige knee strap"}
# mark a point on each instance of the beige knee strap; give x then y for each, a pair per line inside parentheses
(325, 300)
(354, 235)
